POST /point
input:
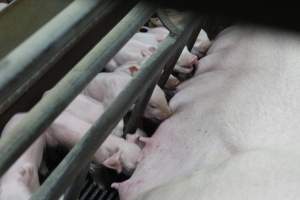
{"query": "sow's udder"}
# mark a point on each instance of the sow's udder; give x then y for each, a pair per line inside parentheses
(244, 96)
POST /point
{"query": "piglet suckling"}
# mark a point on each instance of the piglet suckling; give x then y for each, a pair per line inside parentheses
(186, 63)
(133, 68)
(187, 60)
(142, 45)
(89, 110)
(21, 179)
(105, 87)
(115, 152)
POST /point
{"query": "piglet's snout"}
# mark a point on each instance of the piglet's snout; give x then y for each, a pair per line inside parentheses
(165, 113)
(192, 64)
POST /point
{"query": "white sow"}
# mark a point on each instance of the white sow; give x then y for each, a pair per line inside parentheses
(234, 133)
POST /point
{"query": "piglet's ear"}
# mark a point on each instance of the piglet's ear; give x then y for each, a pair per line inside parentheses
(133, 69)
(152, 49)
(114, 162)
(135, 139)
(132, 138)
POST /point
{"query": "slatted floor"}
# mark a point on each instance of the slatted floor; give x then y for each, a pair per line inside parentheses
(93, 191)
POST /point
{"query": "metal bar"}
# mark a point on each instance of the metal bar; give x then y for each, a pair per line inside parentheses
(64, 64)
(134, 120)
(195, 33)
(84, 150)
(137, 112)
(169, 68)
(74, 190)
(167, 22)
(23, 67)
(172, 62)
(51, 105)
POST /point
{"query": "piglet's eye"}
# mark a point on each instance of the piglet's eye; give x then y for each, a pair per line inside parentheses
(152, 106)
(143, 30)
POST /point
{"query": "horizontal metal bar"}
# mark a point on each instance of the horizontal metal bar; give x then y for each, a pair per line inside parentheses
(27, 63)
(85, 149)
(51, 105)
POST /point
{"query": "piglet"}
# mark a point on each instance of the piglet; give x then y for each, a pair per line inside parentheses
(21, 180)
(89, 110)
(147, 38)
(201, 45)
(160, 33)
(115, 152)
(132, 69)
(186, 62)
(105, 87)
(134, 50)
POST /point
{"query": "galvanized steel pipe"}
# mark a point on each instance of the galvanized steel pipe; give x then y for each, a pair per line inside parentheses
(28, 62)
(81, 153)
(51, 105)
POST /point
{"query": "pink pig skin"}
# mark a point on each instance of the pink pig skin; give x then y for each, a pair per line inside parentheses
(21, 180)
(234, 133)
(115, 152)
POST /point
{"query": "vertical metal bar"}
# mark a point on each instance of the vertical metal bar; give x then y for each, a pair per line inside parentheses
(74, 190)
(134, 120)
(51, 105)
(139, 108)
(166, 21)
(88, 145)
(172, 61)
(169, 68)
(195, 33)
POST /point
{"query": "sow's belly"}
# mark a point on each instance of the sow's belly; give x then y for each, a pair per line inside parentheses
(244, 96)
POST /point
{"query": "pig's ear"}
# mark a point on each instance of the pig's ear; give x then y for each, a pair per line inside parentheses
(27, 173)
(133, 69)
(132, 138)
(135, 139)
(152, 49)
(145, 140)
(114, 162)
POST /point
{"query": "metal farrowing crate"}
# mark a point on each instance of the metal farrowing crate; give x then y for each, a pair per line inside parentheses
(79, 36)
